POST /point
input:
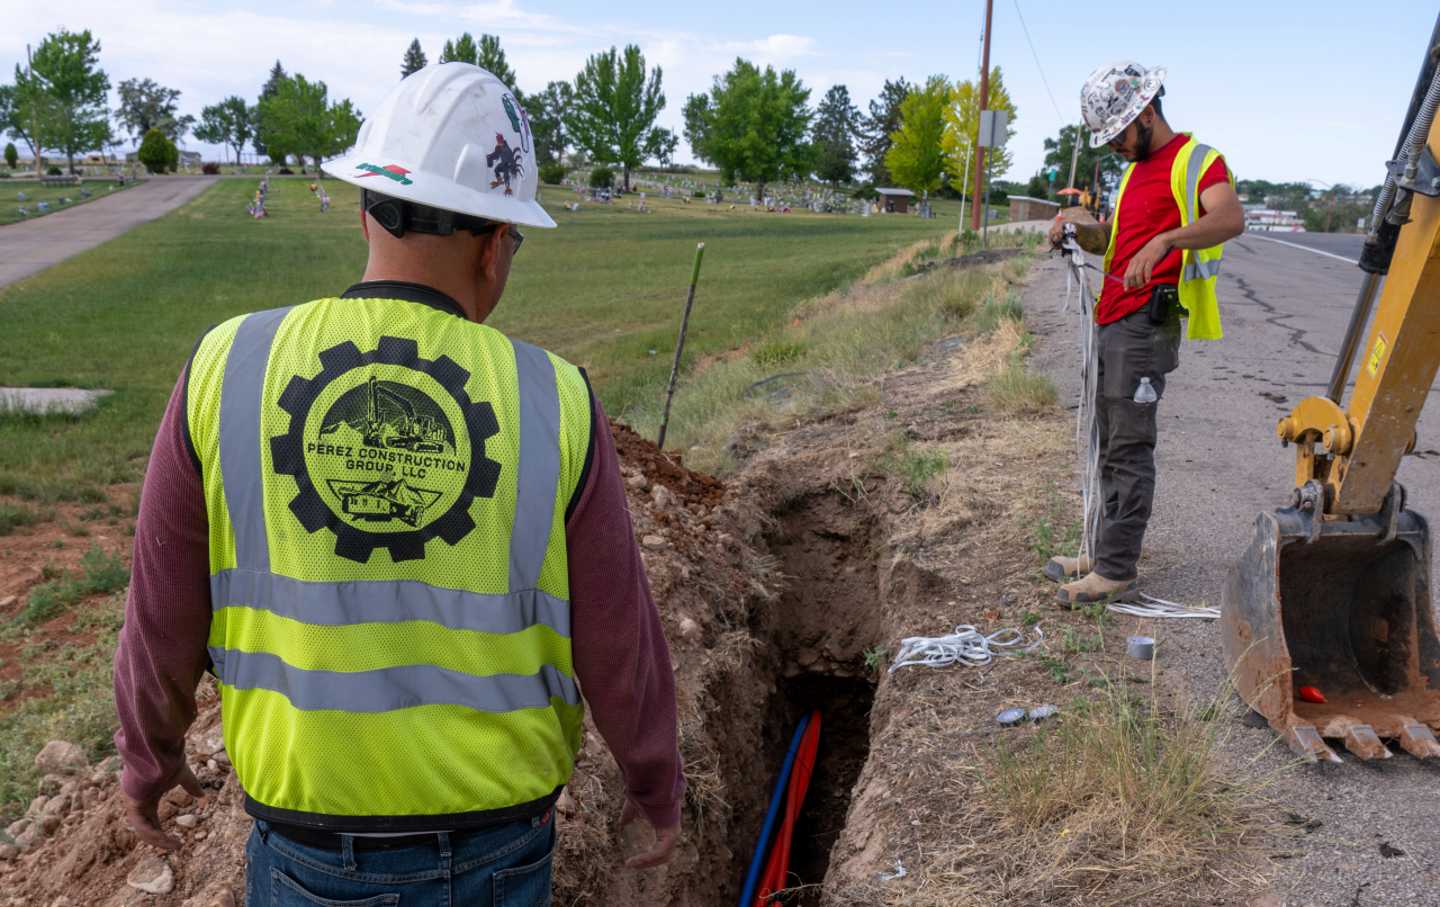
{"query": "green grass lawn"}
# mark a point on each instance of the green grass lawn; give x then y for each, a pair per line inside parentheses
(10, 203)
(605, 290)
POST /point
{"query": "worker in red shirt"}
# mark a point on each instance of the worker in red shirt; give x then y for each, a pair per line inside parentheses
(1175, 207)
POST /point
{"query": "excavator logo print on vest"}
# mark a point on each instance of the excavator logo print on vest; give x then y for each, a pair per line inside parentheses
(386, 449)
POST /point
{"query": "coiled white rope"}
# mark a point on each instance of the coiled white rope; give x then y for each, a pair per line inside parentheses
(1152, 607)
(1087, 430)
(967, 646)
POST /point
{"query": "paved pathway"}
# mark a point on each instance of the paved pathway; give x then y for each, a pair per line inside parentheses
(29, 247)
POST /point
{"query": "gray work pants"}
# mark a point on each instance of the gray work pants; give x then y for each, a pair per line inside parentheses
(1130, 349)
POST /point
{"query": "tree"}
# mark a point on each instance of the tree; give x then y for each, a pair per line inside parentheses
(752, 125)
(302, 120)
(12, 157)
(231, 122)
(877, 128)
(414, 59)
(962, 126)
(146, 105)
(614, 106)
(65, 70)
(837, 122)
(547, 112)
(661, 144)
(916, 158)
(491, 58)
(155, 151)
(264, 135)
(462, 50)
(1058, 151)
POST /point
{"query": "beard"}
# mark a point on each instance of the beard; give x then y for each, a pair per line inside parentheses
(1143, 134)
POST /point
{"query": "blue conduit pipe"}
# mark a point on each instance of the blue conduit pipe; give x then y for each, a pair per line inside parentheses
(757, 862)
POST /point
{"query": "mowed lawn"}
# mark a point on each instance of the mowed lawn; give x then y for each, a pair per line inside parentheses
(605, 290)
(34, 192)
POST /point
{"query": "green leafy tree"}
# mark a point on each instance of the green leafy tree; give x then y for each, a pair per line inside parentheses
(752, 124)
(146, 105)
(12, 157)
(916, 158)
(414, 59)
(65, 70)
(547, 112)
(22, 107)
(155, 151)
(231, 122)
(837, 123)
(962, 126)
(614, 106)
(602, 177)
(877, 128)
(1057, 155)
(661, 144)
(491, 58)
(461, 50)
(264, 135)
(304, 122)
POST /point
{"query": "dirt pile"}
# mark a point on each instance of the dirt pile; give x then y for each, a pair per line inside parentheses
(703, 556)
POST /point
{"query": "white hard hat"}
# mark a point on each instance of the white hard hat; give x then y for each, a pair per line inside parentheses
(1114, 95)
(453, 137)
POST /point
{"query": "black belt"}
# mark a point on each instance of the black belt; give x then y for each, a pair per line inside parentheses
(329, 840)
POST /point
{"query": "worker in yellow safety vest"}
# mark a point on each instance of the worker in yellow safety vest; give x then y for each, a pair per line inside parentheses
(1175, 207)
(399, 540)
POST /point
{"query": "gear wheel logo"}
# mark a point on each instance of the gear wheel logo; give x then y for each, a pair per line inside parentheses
(386, 449)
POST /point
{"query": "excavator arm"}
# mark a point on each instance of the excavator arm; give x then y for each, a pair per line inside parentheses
(1328, 626)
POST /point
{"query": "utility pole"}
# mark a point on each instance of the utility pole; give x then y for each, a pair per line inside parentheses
(1074, 156)
(980, 200)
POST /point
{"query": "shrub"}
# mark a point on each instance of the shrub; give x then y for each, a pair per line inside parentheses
(52, 170)
(12, 157)
(602, 178)
(210, 169)
(552, 174)
(154, 151)
(699, 193)
(286, 171)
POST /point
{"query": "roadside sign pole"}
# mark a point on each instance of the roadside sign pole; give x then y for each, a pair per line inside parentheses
(680, 345)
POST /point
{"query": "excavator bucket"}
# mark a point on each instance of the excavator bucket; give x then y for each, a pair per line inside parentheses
(1329, 632)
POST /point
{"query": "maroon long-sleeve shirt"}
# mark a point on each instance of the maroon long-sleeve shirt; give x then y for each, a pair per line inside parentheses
(620, 655)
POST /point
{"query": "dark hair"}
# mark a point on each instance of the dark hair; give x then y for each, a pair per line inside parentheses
(1155, 103)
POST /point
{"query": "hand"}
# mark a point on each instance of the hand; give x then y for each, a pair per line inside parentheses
(143, 816)
(665, 838)
(1137, 274)
(1057, 230)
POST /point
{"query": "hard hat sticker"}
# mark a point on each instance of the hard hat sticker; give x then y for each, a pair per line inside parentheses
(386, 449)
(506, 165)
(389, 171)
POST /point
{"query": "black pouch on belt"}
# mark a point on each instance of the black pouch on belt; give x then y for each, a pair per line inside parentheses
(1163, 300)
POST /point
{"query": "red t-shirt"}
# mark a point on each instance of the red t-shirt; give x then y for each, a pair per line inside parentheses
(1146, 210)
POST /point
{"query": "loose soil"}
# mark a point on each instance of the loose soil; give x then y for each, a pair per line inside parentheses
(782, 590)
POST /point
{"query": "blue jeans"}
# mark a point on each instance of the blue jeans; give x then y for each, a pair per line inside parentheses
(504, 866)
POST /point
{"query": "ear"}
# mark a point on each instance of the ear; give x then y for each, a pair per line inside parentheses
(488, 255)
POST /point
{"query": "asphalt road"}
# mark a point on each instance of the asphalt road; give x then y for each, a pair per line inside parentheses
(1346, 245)
(1285, 311)
(28, 247)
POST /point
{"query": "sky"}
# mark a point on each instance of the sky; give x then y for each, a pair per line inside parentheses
(1286, 90)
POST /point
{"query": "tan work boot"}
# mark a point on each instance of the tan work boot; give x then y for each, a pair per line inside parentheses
(1094, 589)
(1062, 569)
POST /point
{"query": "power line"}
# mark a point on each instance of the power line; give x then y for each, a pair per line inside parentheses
(1044, 81)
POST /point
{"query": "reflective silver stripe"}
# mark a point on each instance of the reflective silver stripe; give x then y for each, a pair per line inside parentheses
(240, 435)
(1197, 270)
(388, 689)
(387, 601)
(538, 472)
(1193, 172)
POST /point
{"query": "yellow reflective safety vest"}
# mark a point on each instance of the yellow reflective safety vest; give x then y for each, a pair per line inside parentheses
(1199, 268)
(387, 485)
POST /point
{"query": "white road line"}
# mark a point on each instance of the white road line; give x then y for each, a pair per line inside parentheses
(1348, 261)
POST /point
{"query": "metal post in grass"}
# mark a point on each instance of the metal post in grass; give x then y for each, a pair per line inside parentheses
(680, 344)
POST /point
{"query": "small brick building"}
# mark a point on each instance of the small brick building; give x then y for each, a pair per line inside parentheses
(894, 201)
(1023, 207)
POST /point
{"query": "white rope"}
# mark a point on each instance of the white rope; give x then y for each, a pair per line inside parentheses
(967, 646)
(1087, 430)
(1152, 607)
